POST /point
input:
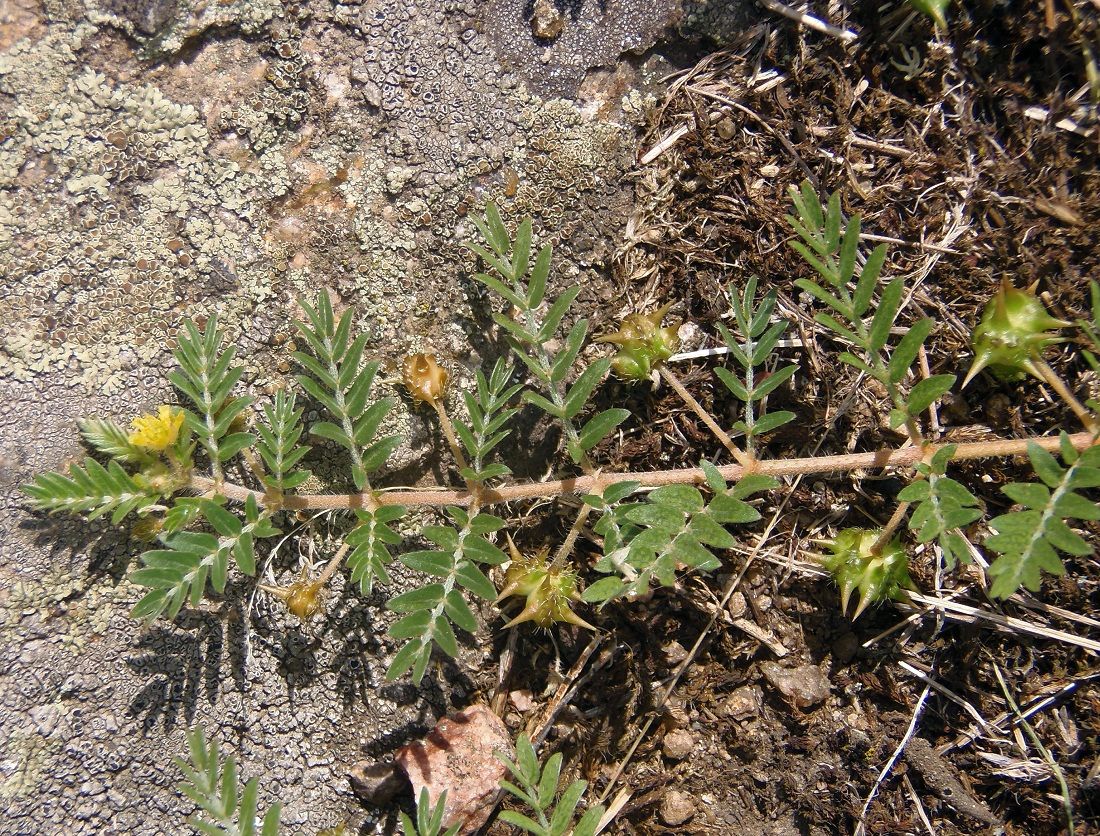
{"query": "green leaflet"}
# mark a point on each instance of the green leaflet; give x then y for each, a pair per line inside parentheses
(1029, 540)
(538, 787)
(370, 541)
(429, 818)
(212, 785)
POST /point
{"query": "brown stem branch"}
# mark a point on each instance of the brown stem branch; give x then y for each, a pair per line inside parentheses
(904, 457)
(1063, 391)
(452, 441)
(744, 459)
(566, 547)
(891, 526)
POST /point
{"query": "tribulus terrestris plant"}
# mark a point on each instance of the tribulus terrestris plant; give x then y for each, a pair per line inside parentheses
(168, 473)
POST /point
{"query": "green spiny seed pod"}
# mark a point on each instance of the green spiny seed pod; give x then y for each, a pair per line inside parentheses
(1014, 331)
(643, 344)
(855, 566)
(549, 590)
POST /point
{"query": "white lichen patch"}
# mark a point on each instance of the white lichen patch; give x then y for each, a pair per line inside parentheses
(131, 207)
(25, 763)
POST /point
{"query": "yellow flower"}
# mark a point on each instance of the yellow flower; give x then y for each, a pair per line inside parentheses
(157, 432)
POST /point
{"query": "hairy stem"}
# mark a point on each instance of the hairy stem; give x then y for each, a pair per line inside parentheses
(334, 564)
(744, 459)
(571, 538)
(895, 520)
(452, 441)
(1052, 379)
(907, 456)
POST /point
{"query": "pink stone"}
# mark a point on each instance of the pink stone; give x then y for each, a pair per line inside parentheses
(460, 756)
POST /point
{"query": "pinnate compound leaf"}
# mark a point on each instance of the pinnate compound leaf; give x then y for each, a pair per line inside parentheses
(1028, 541)
(942, 506)
(341, 382)
(91, 489)
(212, 784)
(112, 440)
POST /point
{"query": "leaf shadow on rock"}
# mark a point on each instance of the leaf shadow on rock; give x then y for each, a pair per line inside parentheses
(184, 662)
(109, 549)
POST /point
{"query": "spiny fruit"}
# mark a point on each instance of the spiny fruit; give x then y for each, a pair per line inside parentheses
(548, 589)
(1014, 331)
(855, 566)
(643, 344)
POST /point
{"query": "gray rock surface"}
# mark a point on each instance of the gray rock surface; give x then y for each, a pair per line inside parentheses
(167, 158)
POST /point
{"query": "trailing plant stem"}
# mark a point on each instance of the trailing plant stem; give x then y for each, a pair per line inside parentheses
(1052, 379)
(892, 524)
(566, 547)
(907, 456)
(334, 564)
(746, 461)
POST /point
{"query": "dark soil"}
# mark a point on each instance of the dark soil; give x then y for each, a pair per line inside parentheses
(946, 160)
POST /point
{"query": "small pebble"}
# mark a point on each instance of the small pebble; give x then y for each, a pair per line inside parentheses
(674, 653)
(744, 702)
(676, 808)
(376, 783)
(677, 744)
(547, 20)
(803, 686)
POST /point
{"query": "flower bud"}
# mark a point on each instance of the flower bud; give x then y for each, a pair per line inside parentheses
(147, 528)
(302, 598)
(423, 377)
(643, 344)
(1014, 332)
(549, 590)
(855, 566)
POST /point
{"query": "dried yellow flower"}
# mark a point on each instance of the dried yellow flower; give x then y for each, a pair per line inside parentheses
(146, 529)
(424, 377)
(644, 343)
(302, 598)
(157, 432)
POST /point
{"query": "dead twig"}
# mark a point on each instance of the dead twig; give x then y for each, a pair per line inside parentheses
(809, 21)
